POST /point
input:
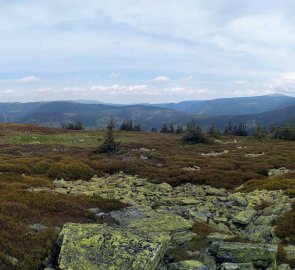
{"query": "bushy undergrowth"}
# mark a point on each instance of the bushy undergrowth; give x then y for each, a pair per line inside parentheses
(20, 209)
(157, 157)
(273, 183)
(70, 170)
(285, 227)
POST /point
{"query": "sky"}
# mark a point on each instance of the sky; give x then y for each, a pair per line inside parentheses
(138, 51)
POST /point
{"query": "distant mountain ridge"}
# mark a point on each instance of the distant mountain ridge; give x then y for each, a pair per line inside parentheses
(232, 106)
(94, 115)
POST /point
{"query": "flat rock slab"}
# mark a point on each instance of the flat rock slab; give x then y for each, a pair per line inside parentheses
(101, 247)
(261, 255)
(244, 217)
(145, 219)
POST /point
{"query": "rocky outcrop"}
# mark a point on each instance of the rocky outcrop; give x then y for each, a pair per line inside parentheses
(161, 216)
(96, 246)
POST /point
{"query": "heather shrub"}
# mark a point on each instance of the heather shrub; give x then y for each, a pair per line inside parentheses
(285, 227)
(71, 170)
(14, 167)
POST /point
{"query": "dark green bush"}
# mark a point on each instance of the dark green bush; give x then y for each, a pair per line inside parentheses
(195, 135)
(70, 171)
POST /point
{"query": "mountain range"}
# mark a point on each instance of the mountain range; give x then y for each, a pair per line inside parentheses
(266, 110)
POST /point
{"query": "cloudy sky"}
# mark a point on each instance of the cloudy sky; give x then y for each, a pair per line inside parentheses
(130, 51)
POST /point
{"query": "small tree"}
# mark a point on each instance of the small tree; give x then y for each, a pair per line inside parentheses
(214, 131)
(164, 129)
(77, 125)
(171, 128)
(109, 145)
(179, 129)
(259, 132)
(195, 135)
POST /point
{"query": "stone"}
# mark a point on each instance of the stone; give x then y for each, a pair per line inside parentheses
(253, 155)
(187, 265)
(261, 255)
(238, 198)
(165, 187)
(290, 252)
(244, 217)
(147, 220)
(38, 227)
(39, 189)
(97, 246)
(12, 260)
(191, 169)
(278, 172)
(237, 266)
(284, 267)
(216, 236)
(183, 237)
(265, 220)
(215, 154)
(61, 191)
(60, 183)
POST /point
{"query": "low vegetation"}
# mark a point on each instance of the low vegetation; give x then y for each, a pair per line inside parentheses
(285, 228)
(33, 156)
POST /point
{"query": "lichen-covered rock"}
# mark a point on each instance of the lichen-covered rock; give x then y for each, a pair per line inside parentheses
(290, 252)
(237, 266)
(216, 236)
(145, 219)
(284, 267)
(261, 255)
(163, 209)
(101, 247)
(279, 171)
(244, 217)
(187, 265)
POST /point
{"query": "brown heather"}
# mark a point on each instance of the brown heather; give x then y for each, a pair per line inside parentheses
(33, 156)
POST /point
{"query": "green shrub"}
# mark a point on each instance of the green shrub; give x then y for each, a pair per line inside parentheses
(284, 133)
(41, 167)
(70, 171)
(14, 167)
(195, 135)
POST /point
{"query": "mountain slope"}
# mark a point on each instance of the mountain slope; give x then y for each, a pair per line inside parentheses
(56, 113)
(95, 116)
(266, 119)
(232, 106)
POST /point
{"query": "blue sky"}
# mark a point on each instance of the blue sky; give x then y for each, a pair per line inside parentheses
(130, 51)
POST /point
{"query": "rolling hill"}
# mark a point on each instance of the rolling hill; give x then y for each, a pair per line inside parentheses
(95, 116)
(232, 106)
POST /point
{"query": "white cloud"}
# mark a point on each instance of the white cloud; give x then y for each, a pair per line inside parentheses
(8, 91)
(43, 90)
(28, 79)
(187, 91)
(215, 44)
(116, 75)
(186, 79)
(140, 89)
(161, 79)
(290, 76)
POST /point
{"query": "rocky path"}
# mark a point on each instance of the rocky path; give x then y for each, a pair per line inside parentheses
(157, 227)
